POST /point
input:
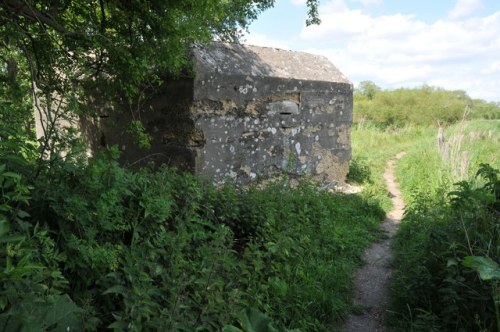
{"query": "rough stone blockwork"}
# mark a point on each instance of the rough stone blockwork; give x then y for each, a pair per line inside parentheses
(249, 112)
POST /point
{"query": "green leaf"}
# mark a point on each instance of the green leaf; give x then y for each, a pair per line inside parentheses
(231, 328)
(485, 266)
(3, 303)
(451, 262)
(4, 227)
(11, 238)
(254, 321)
(12, 175)
(5, 207)
(118, 289)
(118, 325)
(62, 312)
(22, 214)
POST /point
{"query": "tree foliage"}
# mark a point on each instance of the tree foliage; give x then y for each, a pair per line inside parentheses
(368, 89)
(89, 245)
(129, 42)
(423, 105)
(62, 55)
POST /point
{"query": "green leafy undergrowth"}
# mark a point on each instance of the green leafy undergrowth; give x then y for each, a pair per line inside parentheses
(447, 254)
(359, 171)
(32, 287)
(161, 250)
(252, 320)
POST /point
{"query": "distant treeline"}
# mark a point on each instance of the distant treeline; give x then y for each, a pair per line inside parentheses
(423, 105)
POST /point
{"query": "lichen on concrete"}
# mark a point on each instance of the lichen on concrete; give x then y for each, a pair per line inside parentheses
(248, 113)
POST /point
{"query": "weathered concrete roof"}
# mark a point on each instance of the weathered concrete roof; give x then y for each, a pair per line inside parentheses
(247, 60)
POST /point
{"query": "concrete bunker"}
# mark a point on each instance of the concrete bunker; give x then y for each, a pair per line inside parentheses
(248, 112)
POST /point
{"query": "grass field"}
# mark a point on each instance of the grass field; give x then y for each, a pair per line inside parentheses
(424, 167)
(433, 289)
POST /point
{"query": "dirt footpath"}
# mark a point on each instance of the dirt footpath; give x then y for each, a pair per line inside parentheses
(371, 284)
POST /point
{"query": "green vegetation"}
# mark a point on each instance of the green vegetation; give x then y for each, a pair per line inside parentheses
(86, 244)
(447, 248)
(100, 246)
(451, 214)
(433, 287)
(374, 146)
(63, 56)
(419, 106)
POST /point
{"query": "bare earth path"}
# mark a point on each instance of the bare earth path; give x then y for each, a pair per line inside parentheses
(371, 283)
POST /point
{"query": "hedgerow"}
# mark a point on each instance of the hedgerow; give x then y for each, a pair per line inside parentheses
(425, 105)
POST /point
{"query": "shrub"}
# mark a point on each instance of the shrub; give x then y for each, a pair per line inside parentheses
(32, 291)
(163, 250)
(420, 106)
(359, 171)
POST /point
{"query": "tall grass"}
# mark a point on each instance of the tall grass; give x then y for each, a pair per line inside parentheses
(432, 289)
(427, 168)
(374, 146)
(480, 140)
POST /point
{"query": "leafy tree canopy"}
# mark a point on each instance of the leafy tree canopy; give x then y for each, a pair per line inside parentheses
(368, 89)
(128, 42)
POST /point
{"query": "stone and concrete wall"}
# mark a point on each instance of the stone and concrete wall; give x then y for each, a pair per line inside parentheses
(265, 110)
(248, 112)
(167, 120)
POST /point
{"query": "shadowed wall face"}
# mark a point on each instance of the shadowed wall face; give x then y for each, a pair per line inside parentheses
(249, 112)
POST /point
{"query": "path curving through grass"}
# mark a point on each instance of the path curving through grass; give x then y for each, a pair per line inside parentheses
(371, 292)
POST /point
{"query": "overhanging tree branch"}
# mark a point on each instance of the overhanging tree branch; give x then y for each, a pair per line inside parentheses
(22, 8)
(103, 15)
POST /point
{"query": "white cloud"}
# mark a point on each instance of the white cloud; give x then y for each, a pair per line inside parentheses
(333, 6)
(298, 2)
(400, 50)
(464, 8)
(495, 67)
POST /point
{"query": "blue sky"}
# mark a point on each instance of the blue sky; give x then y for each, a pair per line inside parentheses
(454, 44)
